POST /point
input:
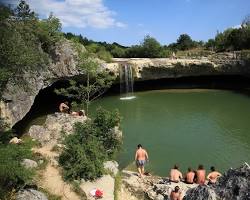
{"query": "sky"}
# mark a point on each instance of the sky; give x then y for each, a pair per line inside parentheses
(128, 21)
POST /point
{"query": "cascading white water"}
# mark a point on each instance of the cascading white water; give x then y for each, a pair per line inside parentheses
(126, 82)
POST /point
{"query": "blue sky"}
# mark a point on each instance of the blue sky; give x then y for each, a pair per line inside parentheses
(128, 21)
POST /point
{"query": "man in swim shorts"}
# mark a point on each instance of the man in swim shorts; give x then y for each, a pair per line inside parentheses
(141, 156)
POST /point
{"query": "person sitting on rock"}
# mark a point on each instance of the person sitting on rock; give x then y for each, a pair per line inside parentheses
(200, 175)
(79, 113)
(64, 107)
(175, 174)
(213, 176)
(189, 177)
(176, 194)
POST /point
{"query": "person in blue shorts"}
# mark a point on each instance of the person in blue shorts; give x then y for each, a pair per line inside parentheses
(141, 156)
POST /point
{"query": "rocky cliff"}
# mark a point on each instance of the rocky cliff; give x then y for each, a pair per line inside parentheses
(18, 98)
(158, 68)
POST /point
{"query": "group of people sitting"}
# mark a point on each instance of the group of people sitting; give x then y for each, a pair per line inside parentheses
(64, 107)
(192, 176)
(198, 176)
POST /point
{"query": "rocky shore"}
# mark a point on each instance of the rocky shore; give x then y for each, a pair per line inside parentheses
(233, 185)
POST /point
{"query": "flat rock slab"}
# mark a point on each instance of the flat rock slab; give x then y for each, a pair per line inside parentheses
(105, 183)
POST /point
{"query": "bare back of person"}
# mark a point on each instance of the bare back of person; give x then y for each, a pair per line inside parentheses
(175, 175)
(141, 154)
(190, 177)
(200, 176)
(212, 177)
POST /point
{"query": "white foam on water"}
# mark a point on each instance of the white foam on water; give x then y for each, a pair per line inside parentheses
(128, 98)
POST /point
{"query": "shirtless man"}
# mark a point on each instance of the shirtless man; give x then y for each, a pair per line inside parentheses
(64, 107)
(176, 194)
(200, 175)
(141, 156)
(213, 175)
(189, 177)
(175, 174)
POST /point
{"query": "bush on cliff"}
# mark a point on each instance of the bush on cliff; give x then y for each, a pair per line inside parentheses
(89, 146)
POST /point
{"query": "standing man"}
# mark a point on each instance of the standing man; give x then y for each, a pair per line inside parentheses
(141, 156)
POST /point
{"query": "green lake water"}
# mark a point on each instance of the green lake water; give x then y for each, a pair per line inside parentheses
(187, 127)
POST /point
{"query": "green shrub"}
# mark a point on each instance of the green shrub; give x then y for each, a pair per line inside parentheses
(105, 122)
(86, 149)
(12, 174)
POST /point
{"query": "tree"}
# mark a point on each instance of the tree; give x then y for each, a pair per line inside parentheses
(96, 82)
(150, 47)
(184, 42)
(49, 32)
(210, 44)
(118, 52)
(23, 11)
(246, 21)
(92, 142)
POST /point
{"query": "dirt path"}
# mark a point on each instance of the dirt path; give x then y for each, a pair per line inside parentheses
(51, 179)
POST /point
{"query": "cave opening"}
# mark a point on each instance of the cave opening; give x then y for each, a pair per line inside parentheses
(47, 101)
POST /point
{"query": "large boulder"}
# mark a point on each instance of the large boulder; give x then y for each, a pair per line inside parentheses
(235, 184)
(29, 164)
(202, 192)
(30, 194)
(54, 126)
(111, 166)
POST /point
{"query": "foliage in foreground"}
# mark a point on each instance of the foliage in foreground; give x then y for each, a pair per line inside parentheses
(25, 41)
(13, 175)
(89, 146)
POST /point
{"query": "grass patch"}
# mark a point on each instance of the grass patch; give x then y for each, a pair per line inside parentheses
(13, 175)
(49, 195)
(118, 183)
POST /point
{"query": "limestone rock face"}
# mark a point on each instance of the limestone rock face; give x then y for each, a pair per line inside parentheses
(158, 68)
(27, 163)
(52, 129)
(18, 97)
(30, 194)
(111, 166)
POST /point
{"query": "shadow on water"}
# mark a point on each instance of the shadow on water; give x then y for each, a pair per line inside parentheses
(224, 82)
(47, 102)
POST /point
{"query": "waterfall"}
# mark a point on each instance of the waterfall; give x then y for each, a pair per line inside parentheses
(126, 82)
